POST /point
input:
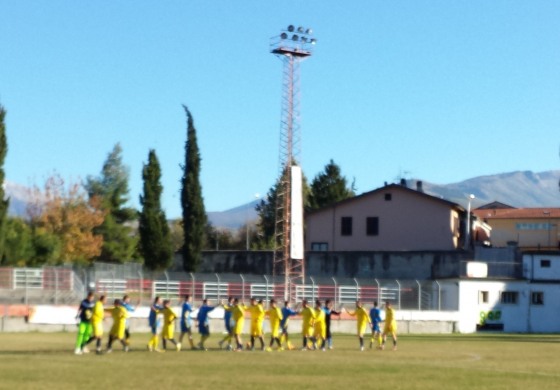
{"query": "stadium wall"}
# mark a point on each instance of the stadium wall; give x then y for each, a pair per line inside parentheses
(46, 318)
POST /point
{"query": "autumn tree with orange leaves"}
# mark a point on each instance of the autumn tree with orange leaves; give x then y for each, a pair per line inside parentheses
(63, 221)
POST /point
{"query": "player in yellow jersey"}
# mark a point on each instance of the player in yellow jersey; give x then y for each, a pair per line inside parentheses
(257, 318)
(319, 326)
(308, 316)
(238, 317)
(390, 325)
(274, 316)
(363, 320)
(97, 323)
(168, 329)
(119, 314)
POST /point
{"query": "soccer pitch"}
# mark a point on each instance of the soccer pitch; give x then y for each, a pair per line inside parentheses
(489, 361)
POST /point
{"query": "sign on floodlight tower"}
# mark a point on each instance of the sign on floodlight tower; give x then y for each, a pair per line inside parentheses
(292, 46)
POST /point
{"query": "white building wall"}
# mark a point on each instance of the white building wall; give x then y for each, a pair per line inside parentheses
(526, 315)
(541, 266)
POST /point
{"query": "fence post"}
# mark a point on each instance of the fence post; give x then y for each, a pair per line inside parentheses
(26, 287)
(193, 290)
(335, 292)
(357, 289)
(141, 286)
(378, 291)
(56, 285)
(398, 284)
(166, 284)
(419, 295)
(242, 288)
(439, 295)
(312, 291)
(218, 278)
(266, 286)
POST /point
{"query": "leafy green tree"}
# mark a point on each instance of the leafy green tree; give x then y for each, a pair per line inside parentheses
(329, 187)
(4, 203)
(155, 238)
(19, 243)
(194, 215)
(119, 242)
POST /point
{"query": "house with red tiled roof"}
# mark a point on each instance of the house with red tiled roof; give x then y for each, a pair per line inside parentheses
(528, 228)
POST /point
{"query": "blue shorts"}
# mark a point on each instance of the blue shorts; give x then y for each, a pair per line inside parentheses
(185, 328)
(228, 327)
(375, 327)
(204, 329)
(154, 327)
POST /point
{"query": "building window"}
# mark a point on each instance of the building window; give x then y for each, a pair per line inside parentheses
(545, 263)
(509, 297)
(483, 297)
(320, 246)
(537, 298)
(346, 226)
(372, 226)
(388, 197)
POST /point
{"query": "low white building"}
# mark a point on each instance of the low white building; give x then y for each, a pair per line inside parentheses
(530, 305)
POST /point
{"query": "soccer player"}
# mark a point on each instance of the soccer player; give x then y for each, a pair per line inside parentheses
(287, 312)
(85, 313)
(238, 316)
(129, 308)
(390, 325)
(228, 322)
(319, 326)
(203, 323)
(375, 316)
(274, 316)
(153, 321)
(119, 314)
(168, 329)
(97, 323)
(308, 316)
(186, 321)
(363, 320)
(329, 312)
(257, 318)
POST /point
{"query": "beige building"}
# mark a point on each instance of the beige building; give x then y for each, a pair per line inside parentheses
(528, 228)
(391, 218)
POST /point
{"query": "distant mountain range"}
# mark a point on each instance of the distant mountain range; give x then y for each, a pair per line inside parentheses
(517, 189)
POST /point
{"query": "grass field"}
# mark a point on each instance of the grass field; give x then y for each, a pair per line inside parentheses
(489, 361)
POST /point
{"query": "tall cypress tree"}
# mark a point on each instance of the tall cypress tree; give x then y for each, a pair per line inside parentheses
(155, 237)
(194, 215)
(4, 203)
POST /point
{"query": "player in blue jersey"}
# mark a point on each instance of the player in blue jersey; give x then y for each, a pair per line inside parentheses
(287, 312)
(154, 321)
(228, 323)
(85, 314)
(203, 323)
(129, 308)
(329, 311)
(186, 321)
(375, 315)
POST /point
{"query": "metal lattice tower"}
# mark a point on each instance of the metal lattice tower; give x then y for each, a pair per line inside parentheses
(292, 46)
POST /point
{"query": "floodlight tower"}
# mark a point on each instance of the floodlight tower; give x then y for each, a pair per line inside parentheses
(292, 46)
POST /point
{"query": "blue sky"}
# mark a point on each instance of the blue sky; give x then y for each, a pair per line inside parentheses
(444, 90)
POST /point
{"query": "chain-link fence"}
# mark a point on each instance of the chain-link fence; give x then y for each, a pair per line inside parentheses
(66, 285)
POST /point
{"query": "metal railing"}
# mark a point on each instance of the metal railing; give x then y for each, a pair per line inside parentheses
(64, 285)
